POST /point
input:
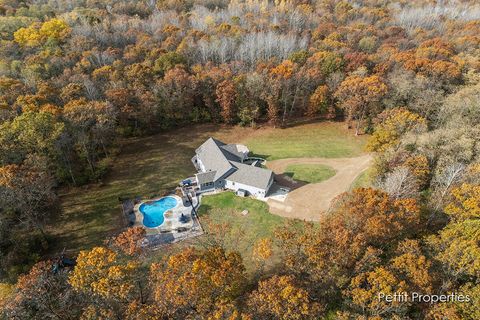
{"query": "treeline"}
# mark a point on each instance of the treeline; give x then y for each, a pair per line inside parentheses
(76, 75)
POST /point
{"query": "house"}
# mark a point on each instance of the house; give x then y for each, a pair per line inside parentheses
(227, 166)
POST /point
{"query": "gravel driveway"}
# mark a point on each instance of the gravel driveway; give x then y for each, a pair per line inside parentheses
(309, 201)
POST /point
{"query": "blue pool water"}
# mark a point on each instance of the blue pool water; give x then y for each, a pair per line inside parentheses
(153, 211)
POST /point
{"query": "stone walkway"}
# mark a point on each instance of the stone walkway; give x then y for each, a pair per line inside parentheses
(310, 201)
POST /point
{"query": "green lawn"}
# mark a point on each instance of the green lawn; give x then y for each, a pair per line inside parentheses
(311, 173)
(328, 140)
(146, 167)
(363, 180)
(152, 165)
(222, 219)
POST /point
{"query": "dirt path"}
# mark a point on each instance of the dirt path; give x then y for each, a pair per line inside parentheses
(309, 201)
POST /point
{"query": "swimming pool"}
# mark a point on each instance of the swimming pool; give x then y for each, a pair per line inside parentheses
(153, 211)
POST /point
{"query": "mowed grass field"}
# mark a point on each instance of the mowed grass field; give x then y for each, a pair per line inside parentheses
(326, 140)
(311, 173)
(150, 166)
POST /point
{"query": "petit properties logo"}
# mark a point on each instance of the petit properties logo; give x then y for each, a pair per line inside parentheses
(399, 297)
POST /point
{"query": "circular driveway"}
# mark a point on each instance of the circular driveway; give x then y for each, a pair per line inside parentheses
(310, 201)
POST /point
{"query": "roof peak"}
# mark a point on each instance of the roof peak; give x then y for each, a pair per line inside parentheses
(216, 141)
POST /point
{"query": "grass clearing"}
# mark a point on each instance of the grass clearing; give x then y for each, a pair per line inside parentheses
(328, 140)
(364, 180)
(311, 173)
(146, 167)
(150, 166)
(222, 218)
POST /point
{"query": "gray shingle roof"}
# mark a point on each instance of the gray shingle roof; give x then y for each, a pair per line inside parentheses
(251, 175)
(233, 149)
(213, 158)
(219, 159)
(205, 177)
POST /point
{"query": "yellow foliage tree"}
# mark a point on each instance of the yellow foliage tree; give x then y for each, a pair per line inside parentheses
(100, 272)
(262, 250)
(54, 29)
(38, 34)
(365, 289)
(392, 124)
(284, 70)
(318, 102)
(413, 266)
(457, 247)
(5, 292)
(465, 202)
(280, 298)
(29, 36)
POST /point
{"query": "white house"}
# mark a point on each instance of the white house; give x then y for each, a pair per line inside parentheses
(227, 166)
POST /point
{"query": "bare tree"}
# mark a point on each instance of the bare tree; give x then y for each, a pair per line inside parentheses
(400, 183)
(443, 182)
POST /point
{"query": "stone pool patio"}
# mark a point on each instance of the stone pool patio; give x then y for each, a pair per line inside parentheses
(172, 229)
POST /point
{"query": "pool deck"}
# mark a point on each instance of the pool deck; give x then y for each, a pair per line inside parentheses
(171, 230)
(172, 217)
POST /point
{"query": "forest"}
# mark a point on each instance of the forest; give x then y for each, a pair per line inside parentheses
(78, 75)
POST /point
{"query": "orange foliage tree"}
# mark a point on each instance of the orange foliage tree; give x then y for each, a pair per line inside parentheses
(193, 282)
(279, 297)
(226, 95)
(360, 223)
(129, 241)
(359, 96)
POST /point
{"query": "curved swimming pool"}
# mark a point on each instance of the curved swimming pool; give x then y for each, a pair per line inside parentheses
(153, 211)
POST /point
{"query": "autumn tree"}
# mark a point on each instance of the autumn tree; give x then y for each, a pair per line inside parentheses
(360, 221)
(29, 190)
(279, 297)
(465, 203)
(457, 246)
(318, 102)
(168, 61)
(411, 265)
(30, 133)
(460, 107)
(327, 62)
(391, 125)
(286, 83)
(112, 281)
(226, 95)
(92, 125)
(366, 288)
(262, 251)
(53, 30)
(129, 241)
(41, 294)
(359, 97)
(193, 281)
(175, 96)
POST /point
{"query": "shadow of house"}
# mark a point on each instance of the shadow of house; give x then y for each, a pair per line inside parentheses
(257, 155)
(286, 179)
